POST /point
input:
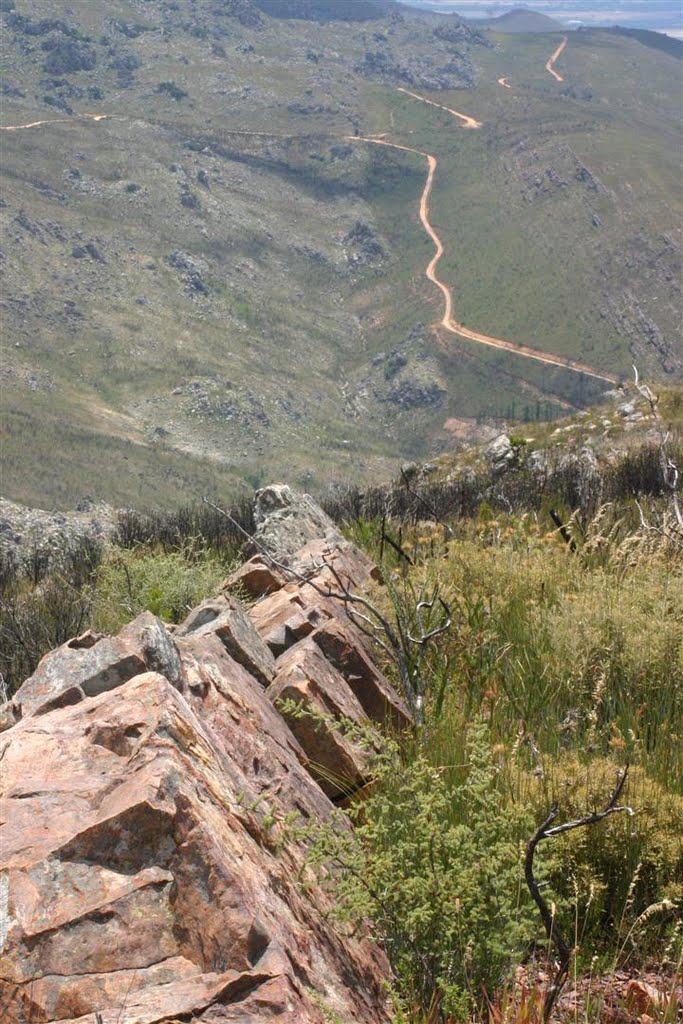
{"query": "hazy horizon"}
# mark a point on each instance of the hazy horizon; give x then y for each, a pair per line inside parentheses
(657, 15)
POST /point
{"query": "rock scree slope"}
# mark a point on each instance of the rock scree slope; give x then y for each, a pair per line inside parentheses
(143, 874)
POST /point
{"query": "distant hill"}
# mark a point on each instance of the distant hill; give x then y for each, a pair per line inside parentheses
(326, 10)
(521, 20)
(657, 40)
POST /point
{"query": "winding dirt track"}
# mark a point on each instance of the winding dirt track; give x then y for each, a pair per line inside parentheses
(550, 65)
(467, 121)
(447, 321)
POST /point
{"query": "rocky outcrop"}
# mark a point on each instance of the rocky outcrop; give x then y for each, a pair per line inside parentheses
(500, 453)
(146, 873)
(286, 521)
(31, 537)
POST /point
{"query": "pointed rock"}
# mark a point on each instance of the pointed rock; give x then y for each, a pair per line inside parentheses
(228, 619)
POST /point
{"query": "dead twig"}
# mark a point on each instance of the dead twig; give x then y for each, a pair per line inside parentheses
(423, 501)
(544, 831)
(396, 641)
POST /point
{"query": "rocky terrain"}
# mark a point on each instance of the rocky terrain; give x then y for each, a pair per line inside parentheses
(190, 221)
(151, 783)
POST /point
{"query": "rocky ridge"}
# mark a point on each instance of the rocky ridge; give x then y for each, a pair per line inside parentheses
(144, 875)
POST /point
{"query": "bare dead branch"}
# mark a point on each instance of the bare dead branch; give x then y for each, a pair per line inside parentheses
(545, 831)
(423, 501)
(396, 547)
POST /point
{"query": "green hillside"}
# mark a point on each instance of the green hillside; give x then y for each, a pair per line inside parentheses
(216, 282)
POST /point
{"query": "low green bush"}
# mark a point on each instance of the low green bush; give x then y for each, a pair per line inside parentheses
(446, 897)
(168, 584)
(619, 885)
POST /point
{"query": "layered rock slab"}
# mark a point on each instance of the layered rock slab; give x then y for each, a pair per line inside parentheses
(143, 880)
(144, 876)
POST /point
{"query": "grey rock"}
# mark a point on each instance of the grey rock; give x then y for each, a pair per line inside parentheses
(500, 453)
(88, 666)
(538, 461)
(286, 521)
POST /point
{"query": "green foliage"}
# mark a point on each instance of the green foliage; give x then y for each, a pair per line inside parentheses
(45, 599)
(619, 886)
(169, 584)
(565, 642)
(36, 618)
(446, 895)
(45, 603)
(555, 651)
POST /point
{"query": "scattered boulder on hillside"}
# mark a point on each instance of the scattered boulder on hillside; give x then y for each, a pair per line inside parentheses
(414, 394)
(192, 269)
(424, 73)
(32, 537)
(80, 252)
(501, 454)
(363, 244)
(146, 783)
(584, 482)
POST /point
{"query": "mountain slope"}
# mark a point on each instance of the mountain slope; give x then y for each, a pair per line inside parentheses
(220, 276)
(521, 21)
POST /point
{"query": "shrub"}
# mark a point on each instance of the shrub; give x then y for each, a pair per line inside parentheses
(170, 531)
(66, 56)
(169, 584)
(46, 597)
(445, 895)
(36, 619)
(621, 882)
(172, 90)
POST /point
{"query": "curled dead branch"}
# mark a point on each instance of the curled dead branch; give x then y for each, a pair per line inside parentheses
(546, 830)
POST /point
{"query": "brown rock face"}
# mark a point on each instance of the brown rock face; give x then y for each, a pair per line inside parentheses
(255, 578)
(144, 872)
(227, 619)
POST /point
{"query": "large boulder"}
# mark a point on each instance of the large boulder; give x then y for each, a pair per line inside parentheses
(144, 874)
(91, 664)
(314, 698)
(286, 521)
(226, 617)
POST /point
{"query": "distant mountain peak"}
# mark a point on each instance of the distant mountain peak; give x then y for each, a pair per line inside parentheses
(521, 19)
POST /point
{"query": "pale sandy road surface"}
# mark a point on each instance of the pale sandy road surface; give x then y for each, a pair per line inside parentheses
(550, 65)
(448, 321)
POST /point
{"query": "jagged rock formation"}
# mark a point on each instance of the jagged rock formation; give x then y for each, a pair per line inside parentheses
(144, 873)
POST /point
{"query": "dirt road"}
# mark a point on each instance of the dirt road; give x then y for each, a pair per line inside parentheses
(448, 321)
(467, 121)
(54, 120)
(550, 65)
